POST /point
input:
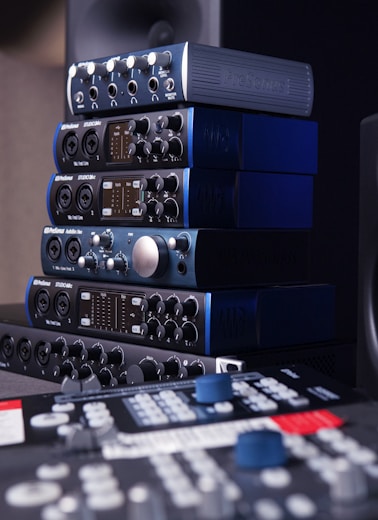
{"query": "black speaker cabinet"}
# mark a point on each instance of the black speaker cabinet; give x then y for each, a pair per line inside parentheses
(367, 337)
(98, 28)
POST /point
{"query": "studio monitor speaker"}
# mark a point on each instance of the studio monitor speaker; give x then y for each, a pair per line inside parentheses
(97, 28)
(367, 338)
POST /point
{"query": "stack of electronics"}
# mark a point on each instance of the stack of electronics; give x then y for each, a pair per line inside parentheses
(181, 218)
(178, 246)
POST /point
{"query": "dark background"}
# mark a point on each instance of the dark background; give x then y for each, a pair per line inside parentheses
(340, 41)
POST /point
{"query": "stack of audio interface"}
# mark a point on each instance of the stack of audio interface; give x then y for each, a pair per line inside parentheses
(180, 219)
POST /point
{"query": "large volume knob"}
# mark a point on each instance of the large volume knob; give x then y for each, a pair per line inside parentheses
(260, 449)
(150, 256)
(213, 388)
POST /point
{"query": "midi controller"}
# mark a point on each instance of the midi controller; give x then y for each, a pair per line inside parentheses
(281, 443)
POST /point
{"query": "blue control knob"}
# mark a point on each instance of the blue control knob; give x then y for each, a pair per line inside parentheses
(213, 388)
(260, 449)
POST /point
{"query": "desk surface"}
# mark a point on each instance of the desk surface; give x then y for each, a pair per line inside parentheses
(15, 385)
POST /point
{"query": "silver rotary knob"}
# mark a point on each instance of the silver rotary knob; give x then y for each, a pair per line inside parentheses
(150, 256)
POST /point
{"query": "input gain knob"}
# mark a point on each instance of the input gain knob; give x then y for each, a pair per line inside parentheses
(150, 256)
(118, 263)
(88, 261)
(103, 240)
(115, 65)
(162, 59)
(137, 62)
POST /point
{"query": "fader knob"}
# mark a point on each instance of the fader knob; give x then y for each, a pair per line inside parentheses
(213, 388)
(350, 484)
(150, 256)
(214, 503)
(144, 503)
(260, 449)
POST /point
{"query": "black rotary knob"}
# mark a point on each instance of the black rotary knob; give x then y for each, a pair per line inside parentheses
(149, 328)
(146, 370)
(188, 332)
(113, 357)
(173, 122)
(150, 256)
(149, 304)
(139, 126)
(187, 308)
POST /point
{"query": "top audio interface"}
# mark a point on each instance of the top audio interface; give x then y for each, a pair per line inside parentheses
(190, 73)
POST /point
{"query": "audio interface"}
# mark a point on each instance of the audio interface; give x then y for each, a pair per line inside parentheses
(184, 198)
(188, 137)
(223, 322)
(190, 73)
(196, 258)
(52, 355)
(274, 443)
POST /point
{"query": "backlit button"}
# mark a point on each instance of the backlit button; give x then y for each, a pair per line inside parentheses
(275, 477)
(362, 456)
(107, 501)
(268, 509)
(63, 407)
(32, 494)
(95, 471)
(301, 506)
(53, 471)
(49, 420)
